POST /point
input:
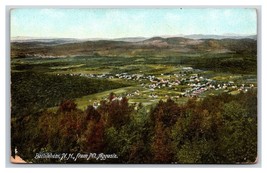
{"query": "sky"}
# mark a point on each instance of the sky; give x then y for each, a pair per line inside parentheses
(130, 22)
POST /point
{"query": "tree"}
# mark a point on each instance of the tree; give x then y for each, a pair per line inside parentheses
(67, 106)
(161, 145)
(118, 113)
(166, 112)
(92, 140)
(92, 114)
(238, 140)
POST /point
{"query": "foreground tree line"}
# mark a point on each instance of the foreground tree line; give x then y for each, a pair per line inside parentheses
(216, 129)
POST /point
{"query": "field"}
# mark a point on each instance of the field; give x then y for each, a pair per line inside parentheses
(133, 79)
(153, 89)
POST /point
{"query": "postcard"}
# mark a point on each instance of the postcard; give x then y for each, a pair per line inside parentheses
(133, 85)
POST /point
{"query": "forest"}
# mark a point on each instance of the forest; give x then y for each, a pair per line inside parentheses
(216, 129)
(35, 91)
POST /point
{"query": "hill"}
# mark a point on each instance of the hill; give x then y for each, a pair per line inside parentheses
(153, 46)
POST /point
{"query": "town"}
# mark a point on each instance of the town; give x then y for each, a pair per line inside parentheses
(186, 83)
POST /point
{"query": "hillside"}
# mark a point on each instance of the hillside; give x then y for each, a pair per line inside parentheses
(153, 46)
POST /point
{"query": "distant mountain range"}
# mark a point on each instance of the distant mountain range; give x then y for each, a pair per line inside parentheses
(200, 36)
(126, 39)
(132, 46)
(73, 40)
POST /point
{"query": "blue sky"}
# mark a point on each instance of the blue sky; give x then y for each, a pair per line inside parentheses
(129, 22)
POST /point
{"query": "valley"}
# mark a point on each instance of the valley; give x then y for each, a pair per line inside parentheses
(190, 98)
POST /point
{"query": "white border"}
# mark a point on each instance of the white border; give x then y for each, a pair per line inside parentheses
(3, 62)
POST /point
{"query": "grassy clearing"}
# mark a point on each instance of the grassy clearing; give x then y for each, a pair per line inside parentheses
(67, 67)
(84, 101)
(235, 92)
(144, 96)
(226, 77)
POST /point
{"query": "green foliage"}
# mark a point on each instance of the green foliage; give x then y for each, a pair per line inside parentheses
(225, 62)
(238, 135)
(119, 142)
(31, 92)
